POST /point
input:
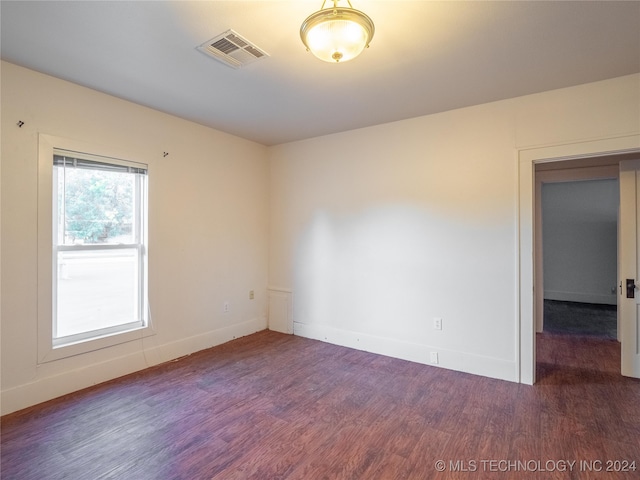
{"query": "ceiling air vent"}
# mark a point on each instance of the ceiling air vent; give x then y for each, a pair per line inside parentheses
(232, 49)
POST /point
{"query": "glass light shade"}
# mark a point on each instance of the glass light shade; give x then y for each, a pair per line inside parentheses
(337, 34)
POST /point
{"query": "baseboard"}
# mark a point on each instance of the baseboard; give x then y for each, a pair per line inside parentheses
(189, 345)
(48, 388)
(602, 299)
(413, 352)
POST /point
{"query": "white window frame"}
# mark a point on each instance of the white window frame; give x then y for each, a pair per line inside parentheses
(49, 348)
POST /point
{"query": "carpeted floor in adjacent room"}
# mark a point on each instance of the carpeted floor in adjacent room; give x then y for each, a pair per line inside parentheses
(580, 318)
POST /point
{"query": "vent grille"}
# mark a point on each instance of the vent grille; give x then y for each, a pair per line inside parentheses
(232, 49)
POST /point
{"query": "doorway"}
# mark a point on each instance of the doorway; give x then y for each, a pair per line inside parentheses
(579, 251)
(616, 149)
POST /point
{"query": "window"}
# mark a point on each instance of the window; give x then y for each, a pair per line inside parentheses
(99, 214)
(92, 218)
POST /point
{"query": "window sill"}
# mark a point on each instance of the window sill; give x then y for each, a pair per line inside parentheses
(49, 353)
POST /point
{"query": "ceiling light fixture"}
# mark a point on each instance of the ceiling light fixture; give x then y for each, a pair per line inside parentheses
(337, 34)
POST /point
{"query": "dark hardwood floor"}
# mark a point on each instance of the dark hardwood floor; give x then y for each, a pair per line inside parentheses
(272, 406)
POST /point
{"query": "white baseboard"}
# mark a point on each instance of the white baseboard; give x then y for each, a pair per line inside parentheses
(413, 352)
(51, 387)
(610, 299)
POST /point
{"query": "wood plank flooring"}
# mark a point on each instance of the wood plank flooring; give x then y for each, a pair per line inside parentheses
(273, 406)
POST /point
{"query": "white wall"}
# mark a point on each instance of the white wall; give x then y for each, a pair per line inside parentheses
(580, 247)
(208, 231)
(379, 230)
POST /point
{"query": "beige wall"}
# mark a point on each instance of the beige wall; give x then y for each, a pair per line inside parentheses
(208, 231)
(379, 230)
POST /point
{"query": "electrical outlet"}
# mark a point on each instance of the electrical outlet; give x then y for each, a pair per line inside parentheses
(225, 307)
(437, 323)
(251, 295)
(434, 358)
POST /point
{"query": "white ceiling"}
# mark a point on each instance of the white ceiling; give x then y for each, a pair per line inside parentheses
(425, 57)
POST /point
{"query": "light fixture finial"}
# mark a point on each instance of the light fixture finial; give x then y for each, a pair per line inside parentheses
(337, 34)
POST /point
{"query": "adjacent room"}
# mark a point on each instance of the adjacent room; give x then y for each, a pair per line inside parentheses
(233, 247)
(580, 256)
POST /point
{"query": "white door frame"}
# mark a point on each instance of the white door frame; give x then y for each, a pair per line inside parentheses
(527, 158)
